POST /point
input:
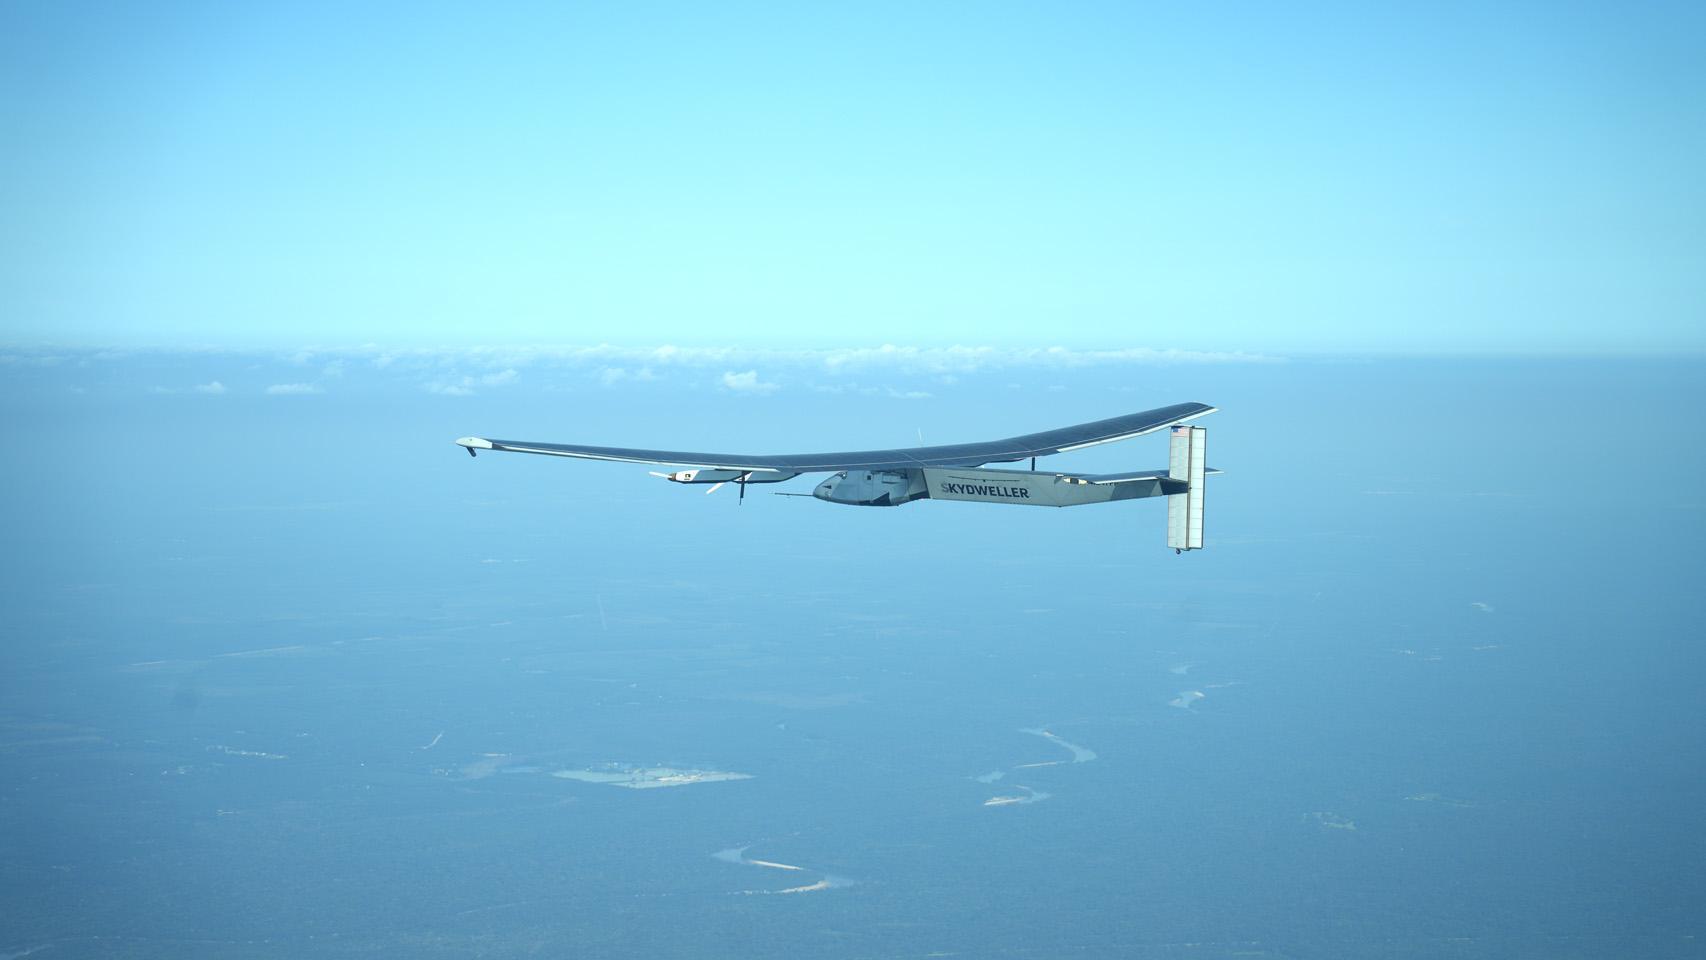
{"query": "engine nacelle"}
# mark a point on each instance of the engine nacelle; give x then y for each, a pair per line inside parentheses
(712, 475)
(873, 488)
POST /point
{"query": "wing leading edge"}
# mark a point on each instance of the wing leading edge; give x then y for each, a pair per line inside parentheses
(1012, 449)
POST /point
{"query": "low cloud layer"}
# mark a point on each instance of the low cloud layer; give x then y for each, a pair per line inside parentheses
(887, 371)
(736, 360)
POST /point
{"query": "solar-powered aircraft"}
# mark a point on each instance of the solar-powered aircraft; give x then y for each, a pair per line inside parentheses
(889, 478)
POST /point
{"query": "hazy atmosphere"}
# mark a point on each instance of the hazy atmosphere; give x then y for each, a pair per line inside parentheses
(1517, 177)
(286, 674)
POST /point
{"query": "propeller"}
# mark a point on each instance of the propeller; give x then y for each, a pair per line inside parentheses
(740, 480)
(688, 477)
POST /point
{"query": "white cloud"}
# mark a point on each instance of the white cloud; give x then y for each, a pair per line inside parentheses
(463, 386)
(746, 382)
(213, 388)
(30, 359)
(963, 359)
(849, 386)
(611, 376)
(292, 389)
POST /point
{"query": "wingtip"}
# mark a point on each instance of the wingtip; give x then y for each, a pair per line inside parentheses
(472, 444)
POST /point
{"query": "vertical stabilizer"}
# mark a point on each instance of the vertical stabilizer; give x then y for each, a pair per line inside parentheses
(1187, 461)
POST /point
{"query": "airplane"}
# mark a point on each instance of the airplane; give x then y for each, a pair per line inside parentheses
(889, 478)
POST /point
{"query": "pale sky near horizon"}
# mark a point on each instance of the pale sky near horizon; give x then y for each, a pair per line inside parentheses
(1316, 177)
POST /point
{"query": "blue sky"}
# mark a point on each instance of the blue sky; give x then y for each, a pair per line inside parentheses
(1282, 178)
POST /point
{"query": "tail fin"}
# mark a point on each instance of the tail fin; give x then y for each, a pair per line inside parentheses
(1187, 461)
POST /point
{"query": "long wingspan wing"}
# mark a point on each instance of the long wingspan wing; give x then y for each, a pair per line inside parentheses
(952, 455)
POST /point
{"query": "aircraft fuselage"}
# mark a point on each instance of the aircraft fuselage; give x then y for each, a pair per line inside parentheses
(891, 488)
